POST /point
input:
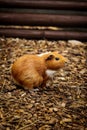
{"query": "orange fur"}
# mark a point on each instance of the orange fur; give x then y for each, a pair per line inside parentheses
(29, 71)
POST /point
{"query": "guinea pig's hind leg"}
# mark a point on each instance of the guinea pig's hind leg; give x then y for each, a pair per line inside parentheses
(33, 82)
(38, 81)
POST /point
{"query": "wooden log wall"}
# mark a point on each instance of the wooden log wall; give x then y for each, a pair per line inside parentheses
(68, 15)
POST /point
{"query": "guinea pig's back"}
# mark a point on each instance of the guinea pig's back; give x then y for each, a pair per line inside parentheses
(27, 65)
(23, 64)
(28, 71)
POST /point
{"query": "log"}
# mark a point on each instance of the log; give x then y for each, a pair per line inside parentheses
(43, 20)
(44, 34)
(43, 4)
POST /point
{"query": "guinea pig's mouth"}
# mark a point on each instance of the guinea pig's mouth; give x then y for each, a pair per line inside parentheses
(63, 64)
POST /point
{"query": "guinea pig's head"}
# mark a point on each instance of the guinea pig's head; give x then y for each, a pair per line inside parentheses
(55, 61)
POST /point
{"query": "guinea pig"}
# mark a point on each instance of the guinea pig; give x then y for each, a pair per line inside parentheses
(30, 71)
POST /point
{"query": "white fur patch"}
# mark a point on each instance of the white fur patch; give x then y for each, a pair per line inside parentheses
(44, 53)
(50, 72)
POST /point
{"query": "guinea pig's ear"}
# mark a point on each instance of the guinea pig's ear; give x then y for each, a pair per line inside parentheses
(50, 57)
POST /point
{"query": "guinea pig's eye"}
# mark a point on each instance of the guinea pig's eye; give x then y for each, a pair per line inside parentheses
(56, 58)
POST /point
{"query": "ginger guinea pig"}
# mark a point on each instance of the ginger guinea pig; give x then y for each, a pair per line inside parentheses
(32, 71)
